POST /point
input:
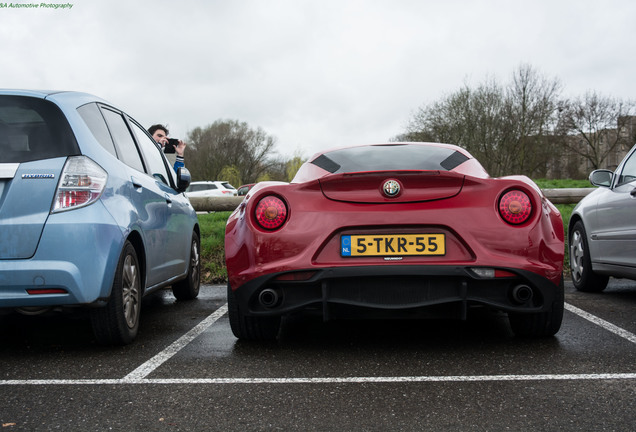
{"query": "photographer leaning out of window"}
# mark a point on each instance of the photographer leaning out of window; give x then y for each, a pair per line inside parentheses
(173, 148)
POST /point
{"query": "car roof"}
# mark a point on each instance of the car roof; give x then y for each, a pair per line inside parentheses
(66, 96)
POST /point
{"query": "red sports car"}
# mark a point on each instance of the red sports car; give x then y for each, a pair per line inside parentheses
(407, 230)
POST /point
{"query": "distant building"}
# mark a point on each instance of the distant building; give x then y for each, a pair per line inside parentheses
(611, 144)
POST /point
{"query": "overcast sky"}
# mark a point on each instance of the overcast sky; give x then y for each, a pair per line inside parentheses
(314, 74)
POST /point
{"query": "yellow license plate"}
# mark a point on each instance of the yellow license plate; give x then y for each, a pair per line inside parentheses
(392, 245)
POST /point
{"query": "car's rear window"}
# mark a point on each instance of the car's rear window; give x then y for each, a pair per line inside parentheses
(33, 129)
(390, 157)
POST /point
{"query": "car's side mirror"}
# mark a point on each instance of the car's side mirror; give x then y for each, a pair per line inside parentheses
(183, 179)
(602, 178)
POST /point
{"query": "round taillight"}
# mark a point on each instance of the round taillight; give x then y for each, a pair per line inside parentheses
(515, 207)
(271, 212)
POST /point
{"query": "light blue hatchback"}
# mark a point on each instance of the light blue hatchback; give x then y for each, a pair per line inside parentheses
(91, 212)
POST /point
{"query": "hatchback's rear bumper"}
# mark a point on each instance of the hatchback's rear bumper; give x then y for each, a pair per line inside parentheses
(74, 263)
(395, 291)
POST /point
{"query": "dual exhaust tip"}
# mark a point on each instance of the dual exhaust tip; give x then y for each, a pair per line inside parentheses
(269, 298)
(521, 294)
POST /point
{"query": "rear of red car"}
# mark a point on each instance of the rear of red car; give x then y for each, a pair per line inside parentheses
(401, 230)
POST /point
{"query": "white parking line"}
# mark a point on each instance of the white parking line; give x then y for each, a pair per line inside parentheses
(138, 376)
(148, 367)
(602, 323)
(332, 380)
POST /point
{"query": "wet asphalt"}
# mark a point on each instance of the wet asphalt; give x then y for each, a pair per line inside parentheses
(187, 372)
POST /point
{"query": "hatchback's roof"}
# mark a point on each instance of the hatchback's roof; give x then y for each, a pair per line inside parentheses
(55, 95)
(33, 93)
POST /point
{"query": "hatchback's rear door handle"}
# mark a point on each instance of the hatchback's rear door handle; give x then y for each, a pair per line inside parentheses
(633, 192)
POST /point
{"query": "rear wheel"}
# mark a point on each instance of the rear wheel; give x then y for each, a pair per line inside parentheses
(188, 288)
(118, 322)
(541, 324)
(250, 327)
(583, 277)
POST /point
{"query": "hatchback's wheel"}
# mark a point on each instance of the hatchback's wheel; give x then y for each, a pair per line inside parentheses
(188, 288)
(118, 322)
(540, 324)
(583, 277)
(250, 327)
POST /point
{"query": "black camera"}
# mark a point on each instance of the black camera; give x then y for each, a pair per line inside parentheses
(170, 145)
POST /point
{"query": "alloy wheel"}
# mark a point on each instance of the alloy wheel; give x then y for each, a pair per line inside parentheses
(130, 291)
(577, 254)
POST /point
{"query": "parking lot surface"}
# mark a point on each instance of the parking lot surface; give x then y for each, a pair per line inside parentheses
(186, 371)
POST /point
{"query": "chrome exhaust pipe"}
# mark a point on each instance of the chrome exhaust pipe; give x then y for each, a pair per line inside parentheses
(522, 294)
(269, 298)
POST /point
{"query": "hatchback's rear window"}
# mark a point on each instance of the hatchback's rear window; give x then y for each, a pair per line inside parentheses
(33, 129)
(390, 157)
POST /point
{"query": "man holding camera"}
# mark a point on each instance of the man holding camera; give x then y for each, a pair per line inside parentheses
(173, 148)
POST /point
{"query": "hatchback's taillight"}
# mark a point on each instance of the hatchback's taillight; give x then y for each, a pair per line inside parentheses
(271, 212)
(81, 183)
(515, 207)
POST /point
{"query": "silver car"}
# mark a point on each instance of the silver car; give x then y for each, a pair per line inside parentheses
(602, 230)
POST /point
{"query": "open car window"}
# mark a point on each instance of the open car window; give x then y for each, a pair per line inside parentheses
(152, 154)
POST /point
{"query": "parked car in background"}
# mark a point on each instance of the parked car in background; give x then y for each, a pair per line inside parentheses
(602, 230)
(244, 189)
(401, 230)
(210, 189)
(91, 213)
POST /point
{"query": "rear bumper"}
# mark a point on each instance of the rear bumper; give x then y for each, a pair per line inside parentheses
(20, 281)
(399, 291)
(77, 253)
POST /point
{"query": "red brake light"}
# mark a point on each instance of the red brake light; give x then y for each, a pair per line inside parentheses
(503, 274)
(271, 213)
(296, 276)
(515, 207)
(35, 291)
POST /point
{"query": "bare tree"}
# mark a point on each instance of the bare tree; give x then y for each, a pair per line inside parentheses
(226, 144)
(503, 127)
(595, 127)
(533, 102)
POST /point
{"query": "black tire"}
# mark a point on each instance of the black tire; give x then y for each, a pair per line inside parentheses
(117, 323)
(583, 277)
(250, 328)
(188, 288)
(543, 324)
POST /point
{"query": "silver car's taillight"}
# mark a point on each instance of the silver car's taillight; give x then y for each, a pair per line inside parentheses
(81, 183)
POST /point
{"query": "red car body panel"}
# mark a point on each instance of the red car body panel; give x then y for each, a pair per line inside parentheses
(462, 204)
(310, 236)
